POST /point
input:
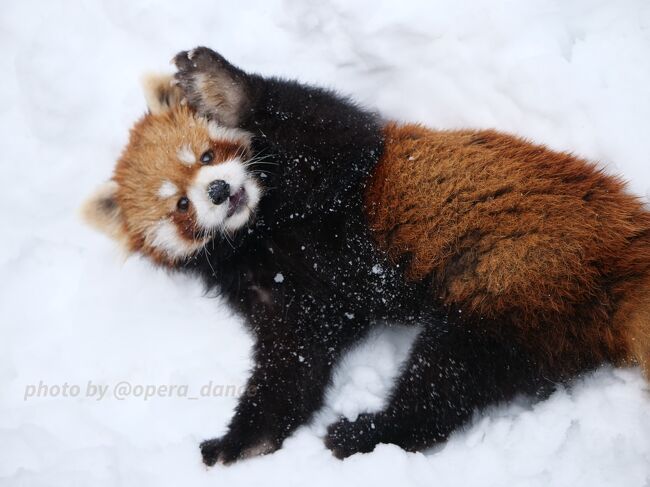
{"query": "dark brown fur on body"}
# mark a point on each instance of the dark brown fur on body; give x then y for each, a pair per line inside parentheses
(524, 241)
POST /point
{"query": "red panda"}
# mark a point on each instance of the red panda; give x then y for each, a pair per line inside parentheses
(314, 218)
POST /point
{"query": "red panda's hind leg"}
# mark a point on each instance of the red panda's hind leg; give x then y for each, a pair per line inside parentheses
(448, 377)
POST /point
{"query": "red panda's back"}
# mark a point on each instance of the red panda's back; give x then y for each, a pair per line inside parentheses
(512, 233)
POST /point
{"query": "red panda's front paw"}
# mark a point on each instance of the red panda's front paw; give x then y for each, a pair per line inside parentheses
(213, 87)
(227, 450)
(219, 450)
(199, 58)
(345, 437)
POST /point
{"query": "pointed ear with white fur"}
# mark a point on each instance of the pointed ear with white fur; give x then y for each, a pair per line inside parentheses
(161, 92)
(102, 212)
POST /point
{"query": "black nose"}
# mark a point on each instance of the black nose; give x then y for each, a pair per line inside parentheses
(218, 191)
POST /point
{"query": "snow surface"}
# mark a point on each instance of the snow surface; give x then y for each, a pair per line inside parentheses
(572, 74)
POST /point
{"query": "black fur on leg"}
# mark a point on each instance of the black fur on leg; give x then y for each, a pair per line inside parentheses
(450, 375)
(292, 369)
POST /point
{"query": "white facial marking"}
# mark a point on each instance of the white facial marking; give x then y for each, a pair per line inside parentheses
(185, 155)
(163, 236)
(220, 132)
(211, 216)
(167, 189)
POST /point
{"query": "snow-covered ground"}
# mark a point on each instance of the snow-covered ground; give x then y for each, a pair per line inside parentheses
(572, 74)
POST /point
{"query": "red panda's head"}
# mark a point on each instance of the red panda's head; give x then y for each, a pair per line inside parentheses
(180, 181)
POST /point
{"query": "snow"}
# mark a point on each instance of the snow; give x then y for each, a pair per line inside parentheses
(573, 74)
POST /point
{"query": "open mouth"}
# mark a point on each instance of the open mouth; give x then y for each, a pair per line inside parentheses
(237, 201)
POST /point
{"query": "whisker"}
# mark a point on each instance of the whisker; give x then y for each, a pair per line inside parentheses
(255, 163)
(207, 258)
(224, 234)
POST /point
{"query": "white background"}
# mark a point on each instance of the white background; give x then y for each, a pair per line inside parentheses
(572, 74)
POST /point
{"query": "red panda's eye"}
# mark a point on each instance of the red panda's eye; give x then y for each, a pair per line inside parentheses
(183, 204)
(207, 156)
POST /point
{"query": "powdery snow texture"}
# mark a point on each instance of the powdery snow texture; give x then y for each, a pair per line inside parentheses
(572, 74)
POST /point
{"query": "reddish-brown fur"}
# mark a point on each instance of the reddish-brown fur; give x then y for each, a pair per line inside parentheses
(537, 244)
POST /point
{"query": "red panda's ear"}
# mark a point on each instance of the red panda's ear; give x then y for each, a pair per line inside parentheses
(102, 212)
(161, 93)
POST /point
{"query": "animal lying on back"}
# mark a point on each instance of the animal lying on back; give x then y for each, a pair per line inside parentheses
(315, 218)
